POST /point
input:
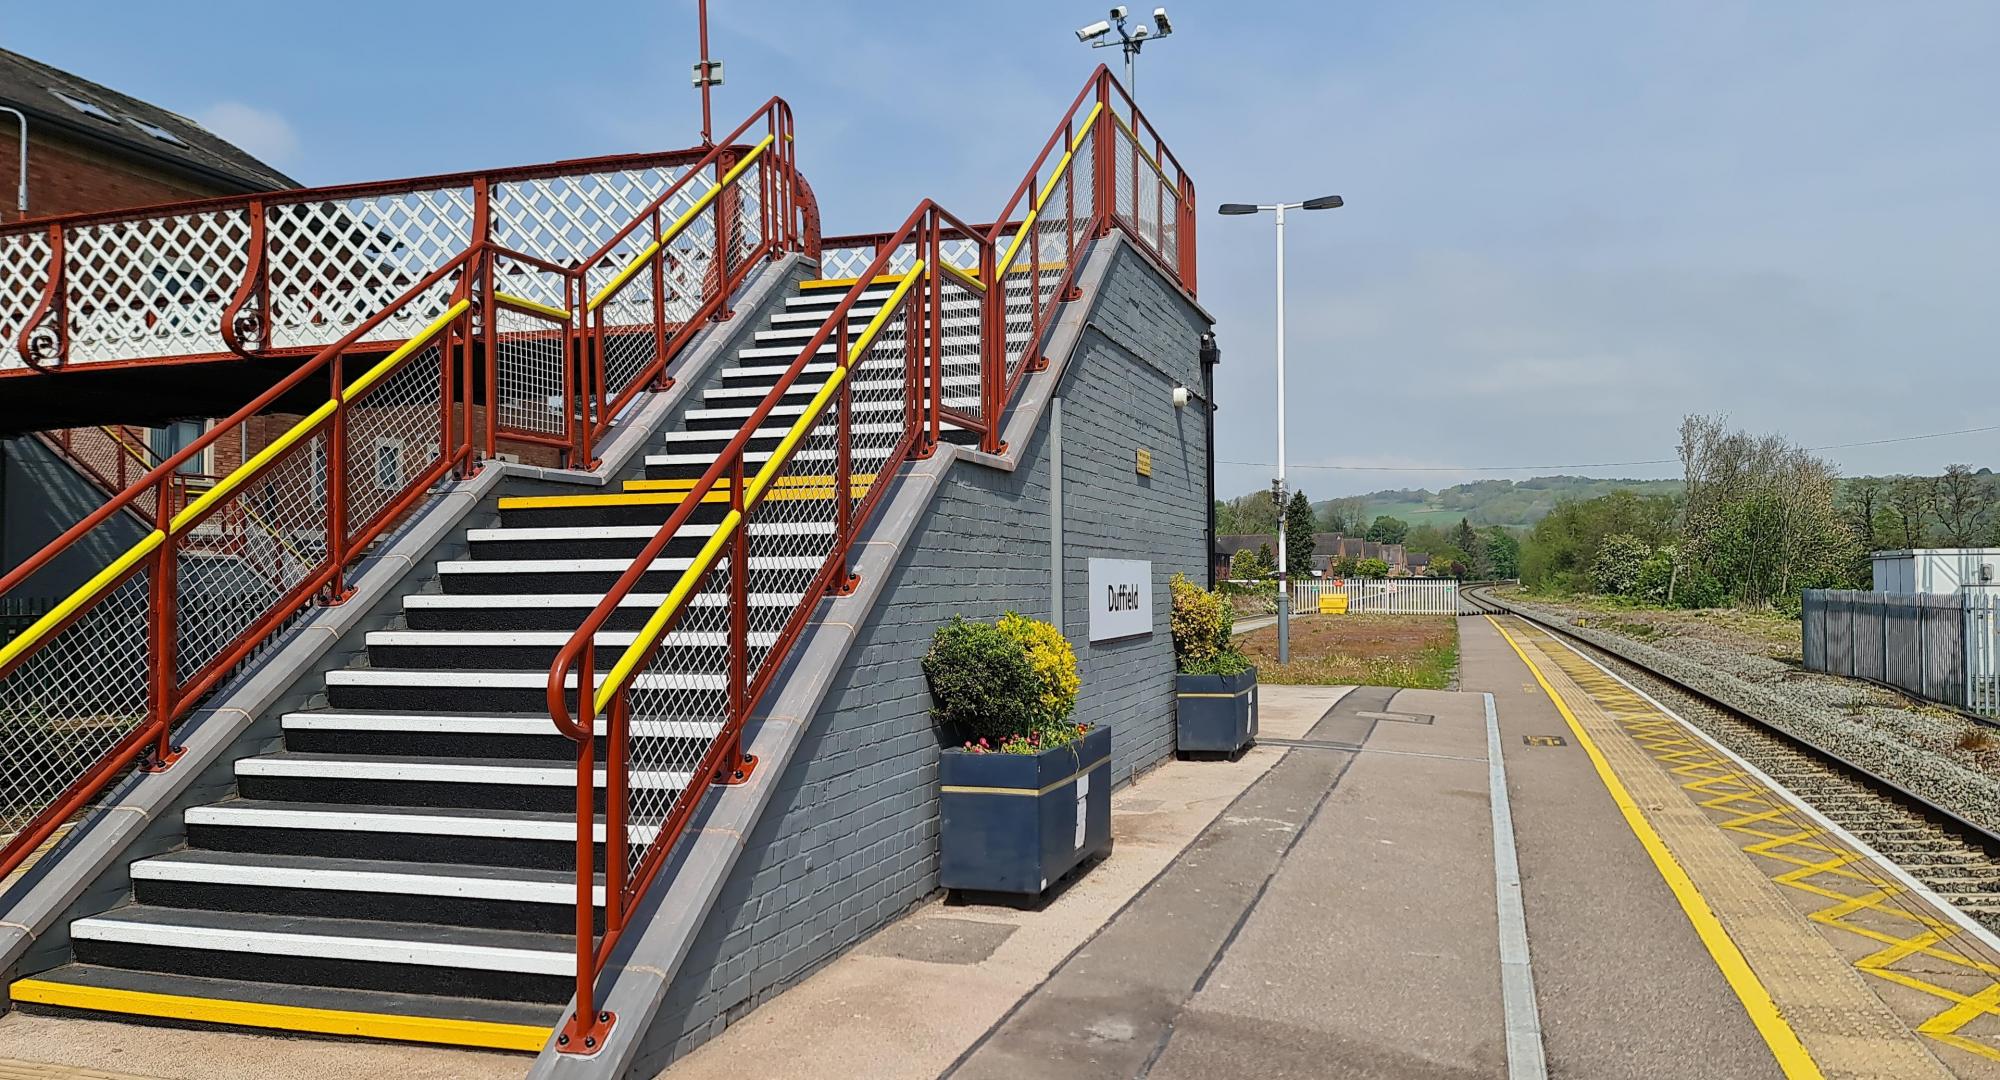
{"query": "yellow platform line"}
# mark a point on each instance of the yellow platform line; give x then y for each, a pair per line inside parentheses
(425, 1029)
(1784, 1042)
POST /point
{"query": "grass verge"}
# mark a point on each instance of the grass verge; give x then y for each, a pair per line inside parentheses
(1414, 651)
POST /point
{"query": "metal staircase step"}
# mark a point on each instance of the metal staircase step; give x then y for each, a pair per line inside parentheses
(496, 837)
(359, 954)
(312, 1010)
(367, 780)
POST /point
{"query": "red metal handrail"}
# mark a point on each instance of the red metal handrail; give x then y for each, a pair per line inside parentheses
(923, 284)
(250, 518)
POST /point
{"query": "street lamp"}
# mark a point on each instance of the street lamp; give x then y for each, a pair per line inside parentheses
(1324, 202)
(1097, 36)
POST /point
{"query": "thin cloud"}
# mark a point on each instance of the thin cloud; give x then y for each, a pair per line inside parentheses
(261, 133)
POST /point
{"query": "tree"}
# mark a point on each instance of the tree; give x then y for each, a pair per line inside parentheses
(1299, 523)
(1910, 501)
(1347, 516)
(1502, 551)
(1243, 566)
(1251, 513)
(1963, 505)
(1266, 562)
(1372, 568)
(1388, 530)
(1344, 566)
(1466, 540)
(1620, 560)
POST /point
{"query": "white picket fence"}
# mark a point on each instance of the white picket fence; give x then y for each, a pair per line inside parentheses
(1388, 596)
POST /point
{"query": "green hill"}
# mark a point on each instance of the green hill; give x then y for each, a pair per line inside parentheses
(1498, 502)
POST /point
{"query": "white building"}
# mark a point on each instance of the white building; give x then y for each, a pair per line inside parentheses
(1941, 571)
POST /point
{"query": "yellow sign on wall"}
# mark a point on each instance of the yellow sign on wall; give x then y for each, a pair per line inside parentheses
(1144, 463)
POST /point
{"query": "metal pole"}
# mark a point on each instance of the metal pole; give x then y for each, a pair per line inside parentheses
(1132, 74)
(21, 194)
(707, 126)
(1284, 579)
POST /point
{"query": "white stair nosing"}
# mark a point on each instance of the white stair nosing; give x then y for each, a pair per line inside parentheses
(554, 774)
(324, 946)
(751, 456)
(598, 566)
(445, 724)
(363, 820)
(503, 601)
(268, 876)
(466, 678)
(725, 434)
(495, 639)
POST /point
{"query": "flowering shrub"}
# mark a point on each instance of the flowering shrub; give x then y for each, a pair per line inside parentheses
(1054, 663)
(1007, 688)
(1204, 627)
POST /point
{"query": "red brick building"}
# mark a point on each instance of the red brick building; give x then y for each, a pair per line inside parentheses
(93, 148)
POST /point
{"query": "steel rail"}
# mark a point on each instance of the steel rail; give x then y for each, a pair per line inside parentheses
(1956, 822)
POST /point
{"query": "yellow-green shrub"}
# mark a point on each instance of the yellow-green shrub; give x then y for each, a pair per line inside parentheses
(1054, 664)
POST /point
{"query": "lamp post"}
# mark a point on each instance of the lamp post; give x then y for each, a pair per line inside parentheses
(21, 194)
(1130, 39)
(707, 73)
(1324, 202)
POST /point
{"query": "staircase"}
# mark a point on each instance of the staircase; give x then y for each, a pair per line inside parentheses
(404, 866)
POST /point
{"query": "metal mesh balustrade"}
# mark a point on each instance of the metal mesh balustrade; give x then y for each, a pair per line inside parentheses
(71, 701)
(24, 277)
(677, 703)
(155, 286)
(564, 219)
(529, 374)
(264, 539)
(1146, 200)
(960, 343)
(334, 263)
(395, 436)
(746, 232)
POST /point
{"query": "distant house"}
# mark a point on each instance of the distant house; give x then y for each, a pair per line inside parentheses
(1327, 548)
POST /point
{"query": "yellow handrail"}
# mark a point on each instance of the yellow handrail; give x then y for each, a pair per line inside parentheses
(753, 492)
(1149, 159)
(679, 224)
(97, 585)
(526, 304)
(969, 278)
(1048, 189)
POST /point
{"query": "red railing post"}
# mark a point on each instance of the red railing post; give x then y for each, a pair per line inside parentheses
(336, 486)
(164, 631)
(724, 209)
(927, 401)
(992, 347)
(585, 1029)
(1104, 173)
(659, 276)
(843, 464)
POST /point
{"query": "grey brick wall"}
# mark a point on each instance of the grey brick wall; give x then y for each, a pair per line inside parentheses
(849, 840)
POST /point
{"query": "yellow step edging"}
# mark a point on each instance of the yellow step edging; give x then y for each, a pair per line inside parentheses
(425, 1029)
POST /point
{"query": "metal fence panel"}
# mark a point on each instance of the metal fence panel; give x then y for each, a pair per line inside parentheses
(1869, 615)
(1903, 641)
(1812, 630)
(1840, 633)
(1982, 654)
(1387, 596)
(1944, 650)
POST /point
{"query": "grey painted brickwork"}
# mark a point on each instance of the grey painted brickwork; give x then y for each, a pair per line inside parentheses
(849, 840)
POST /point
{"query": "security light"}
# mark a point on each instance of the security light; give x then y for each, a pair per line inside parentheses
(1325, 202)
(1093, 31)
(1160, 20)
(1233, 208)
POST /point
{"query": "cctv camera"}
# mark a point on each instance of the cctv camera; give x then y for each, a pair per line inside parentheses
(1160, 20)
(1141, 32)
(1093, 31)
(1118, 12)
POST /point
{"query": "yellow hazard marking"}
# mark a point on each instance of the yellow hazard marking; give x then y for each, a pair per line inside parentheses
(425, 1029)
(1778, 1035)
(848, 282)
(860, 480)
(1863, 901)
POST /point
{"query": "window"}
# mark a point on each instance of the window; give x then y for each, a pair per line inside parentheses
(389, 465)
(176, 437)
(83, 105)
(155, 130)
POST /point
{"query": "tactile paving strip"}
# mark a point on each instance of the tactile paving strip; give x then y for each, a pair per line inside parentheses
(1710, 814)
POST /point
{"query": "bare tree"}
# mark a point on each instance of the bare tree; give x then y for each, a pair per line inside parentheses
(1963, 505)
(1911, 499)
(1866, 496)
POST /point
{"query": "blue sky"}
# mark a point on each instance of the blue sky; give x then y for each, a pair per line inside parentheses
(1568, 223)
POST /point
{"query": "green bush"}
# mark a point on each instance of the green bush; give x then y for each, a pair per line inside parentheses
(1006, 688)
(982, 683)
(1204, 626)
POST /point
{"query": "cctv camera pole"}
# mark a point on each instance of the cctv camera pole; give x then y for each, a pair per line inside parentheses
(1284, 580)
(707, 124)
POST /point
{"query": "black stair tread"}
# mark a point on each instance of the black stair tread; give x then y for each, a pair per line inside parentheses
(479, 871)
(246, 922)
(335, 999)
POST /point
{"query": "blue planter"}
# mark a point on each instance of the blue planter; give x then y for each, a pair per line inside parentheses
(1012, 823)
(1215, 713)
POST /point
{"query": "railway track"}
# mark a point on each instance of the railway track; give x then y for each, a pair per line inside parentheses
(1954, 857)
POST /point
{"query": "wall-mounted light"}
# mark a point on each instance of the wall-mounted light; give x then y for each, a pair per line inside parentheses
(1180, 397)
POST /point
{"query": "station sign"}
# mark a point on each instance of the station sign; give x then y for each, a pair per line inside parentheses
(1121, 598)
